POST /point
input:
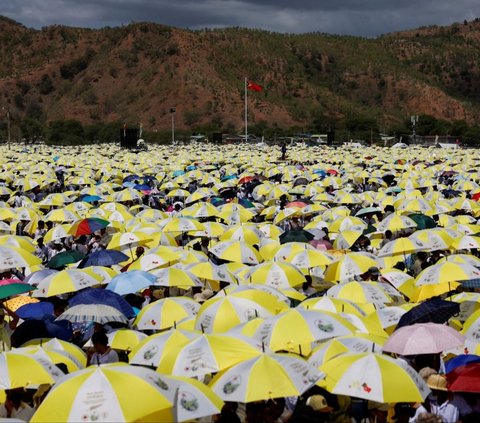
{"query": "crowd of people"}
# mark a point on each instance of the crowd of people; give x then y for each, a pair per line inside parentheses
(398, 213)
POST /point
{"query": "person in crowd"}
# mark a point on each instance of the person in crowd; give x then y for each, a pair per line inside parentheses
(102, 354)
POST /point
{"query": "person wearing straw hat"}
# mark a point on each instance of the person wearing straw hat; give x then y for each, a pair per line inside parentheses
(440, 404)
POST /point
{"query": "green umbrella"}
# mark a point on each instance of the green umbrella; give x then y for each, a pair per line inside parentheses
(11, 287)
(422, 221)
(296, 235)
(67, 257)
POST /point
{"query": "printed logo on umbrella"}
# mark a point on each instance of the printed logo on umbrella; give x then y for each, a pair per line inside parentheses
(188, 401)
(232, 384)
(324, 326)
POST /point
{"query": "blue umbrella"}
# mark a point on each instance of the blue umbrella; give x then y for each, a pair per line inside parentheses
(89, 198)
(143, 187)
(435, 310)
(320, 173)
(35, 310)
(229, 177)
(131, 282)
(105, 258)
(131, 178)
(461, 360)
(472, 283)
(34, 328)
(102, 296)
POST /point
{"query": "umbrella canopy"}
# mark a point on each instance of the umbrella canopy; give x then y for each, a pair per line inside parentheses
(465, 378)
(423, 338)
(447, 272)
(208, 353)
(60, 260)
(296, 235)
(277, 274)
(402, 246)
(155, 350)
(87, 226)
(434, 310)
(364, 292)
(219, 314)
(359, 343)
(56, 356)
(374, 377)
(349, 266)
(11, 287)
(122, 339)
(236, 251)
(165, 313)
(125, 393)
(295, 330)
(395, 223)
(70, 280)
(131, 282)
(265, 377)
(172, 276)
(105, 297)
(422, 221)
(105, 258)
(12, 258)
(35, 310)
(19, 369)
(461, 360)
(98, 313)
(33, 329)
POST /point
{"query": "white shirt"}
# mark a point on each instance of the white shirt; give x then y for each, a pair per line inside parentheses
(420, 410)
(24, 412)
(110, 356)
(447, 411)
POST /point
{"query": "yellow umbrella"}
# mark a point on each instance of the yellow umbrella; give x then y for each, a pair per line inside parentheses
(277, 274)
(337, 305)
(19, 369)
(295, 330)
(22, 242)
(59, 345)
(211, 352)
(282, 375)
(127, 393)
(221, 313)
(374, 377)
(236, 251)
(153, 350)
(358, 343)
(348, 266)
(165, 313)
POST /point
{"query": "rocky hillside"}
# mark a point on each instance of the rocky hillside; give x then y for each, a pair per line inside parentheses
(136, 73)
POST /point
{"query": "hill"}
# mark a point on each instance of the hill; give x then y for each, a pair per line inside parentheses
(136, 73)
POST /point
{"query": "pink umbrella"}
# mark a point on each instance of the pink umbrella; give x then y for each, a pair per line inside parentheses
(321, 244)
(423, 338)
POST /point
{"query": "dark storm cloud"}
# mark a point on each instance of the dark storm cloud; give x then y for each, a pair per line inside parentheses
(355, 17)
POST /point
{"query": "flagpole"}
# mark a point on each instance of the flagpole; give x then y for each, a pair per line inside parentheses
(246, 111)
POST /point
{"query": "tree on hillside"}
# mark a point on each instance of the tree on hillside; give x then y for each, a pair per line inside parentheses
(65, 132)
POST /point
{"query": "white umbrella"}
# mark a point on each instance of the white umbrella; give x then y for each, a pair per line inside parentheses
(98, 313)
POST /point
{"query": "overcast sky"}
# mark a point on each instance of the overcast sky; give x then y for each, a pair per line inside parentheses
(353, 17)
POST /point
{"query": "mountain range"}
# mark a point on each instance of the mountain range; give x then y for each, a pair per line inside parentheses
(138, 72)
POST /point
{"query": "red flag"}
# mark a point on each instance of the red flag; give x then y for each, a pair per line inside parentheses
(254, 87)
